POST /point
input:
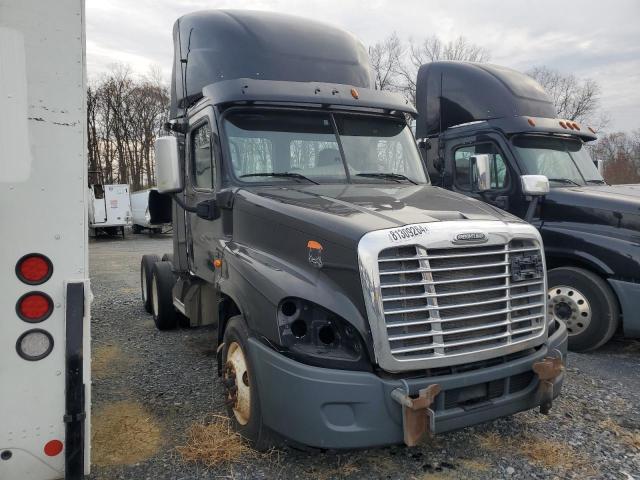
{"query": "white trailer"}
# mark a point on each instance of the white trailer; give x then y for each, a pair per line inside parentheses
(109, 208)
(44, 286)
(142, 203)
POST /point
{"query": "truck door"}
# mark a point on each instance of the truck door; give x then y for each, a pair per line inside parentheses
(460, 174)
(202, 182)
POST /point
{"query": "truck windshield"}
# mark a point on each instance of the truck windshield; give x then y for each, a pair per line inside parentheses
(564, 161)
(306, 147)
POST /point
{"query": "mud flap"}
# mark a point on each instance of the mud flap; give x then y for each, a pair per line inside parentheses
(547, 370)
(417, 416)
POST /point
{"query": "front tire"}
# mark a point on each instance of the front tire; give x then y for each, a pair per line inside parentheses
(242, 395)
(586, 304)
(164, 313)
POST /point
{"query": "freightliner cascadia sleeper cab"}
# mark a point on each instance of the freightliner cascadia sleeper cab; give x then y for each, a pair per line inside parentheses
(356, 304)
(471, 112)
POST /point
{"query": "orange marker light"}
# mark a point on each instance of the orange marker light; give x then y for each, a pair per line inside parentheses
(562, 124)
(217, 263)
(576, 126)
(313, 245)
(592, 130)
(531, 122)
(354, 94)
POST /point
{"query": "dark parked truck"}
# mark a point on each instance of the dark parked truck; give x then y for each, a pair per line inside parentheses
(355, 303)
(485, 122)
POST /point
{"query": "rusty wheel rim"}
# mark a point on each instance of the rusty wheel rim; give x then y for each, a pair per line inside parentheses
(237, 381)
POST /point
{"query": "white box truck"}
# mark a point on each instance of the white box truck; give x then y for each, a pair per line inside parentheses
(109, 208)
(44, 287)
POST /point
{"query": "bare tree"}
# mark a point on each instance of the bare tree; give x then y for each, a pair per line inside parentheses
(433, 49)
(385, 58)
(125, 114)
(574, 99)
(620, 154)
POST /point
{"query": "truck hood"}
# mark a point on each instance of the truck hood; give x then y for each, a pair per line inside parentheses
(352, 210)
(615, 205)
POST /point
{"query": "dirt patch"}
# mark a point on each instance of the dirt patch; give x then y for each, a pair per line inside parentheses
(124, 433)
(539, 451)
(627, 437)
(214, 443)
(107, 360)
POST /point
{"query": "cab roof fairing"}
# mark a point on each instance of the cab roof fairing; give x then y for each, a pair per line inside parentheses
(219, 45)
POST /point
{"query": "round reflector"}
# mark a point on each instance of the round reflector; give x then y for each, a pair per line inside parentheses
(34, 307)
(34, 269)
(34, 344)
(53, 448)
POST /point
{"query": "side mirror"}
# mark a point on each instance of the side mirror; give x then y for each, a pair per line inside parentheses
(535, 185)
(480, 167)
(167, 155)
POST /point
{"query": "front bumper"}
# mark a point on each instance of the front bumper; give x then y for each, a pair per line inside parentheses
(330, 408)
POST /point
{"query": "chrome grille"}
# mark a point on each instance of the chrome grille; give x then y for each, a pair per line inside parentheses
(455, 301)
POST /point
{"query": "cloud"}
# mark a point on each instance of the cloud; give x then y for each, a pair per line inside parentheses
(586, 39)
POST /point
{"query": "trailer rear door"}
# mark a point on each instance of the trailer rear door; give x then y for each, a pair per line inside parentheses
(44, 290)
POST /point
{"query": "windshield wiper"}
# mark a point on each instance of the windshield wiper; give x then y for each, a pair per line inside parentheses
(391, 176)
(565, 180)
(596, 181)
(280, 174)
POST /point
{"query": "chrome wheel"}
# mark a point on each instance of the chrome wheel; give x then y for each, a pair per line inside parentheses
(570, 306)
(236, 379)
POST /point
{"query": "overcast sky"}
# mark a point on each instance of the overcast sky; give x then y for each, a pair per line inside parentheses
(591, 39)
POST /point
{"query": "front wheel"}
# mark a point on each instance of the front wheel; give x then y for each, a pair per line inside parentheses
(586, 304)
(242, 396)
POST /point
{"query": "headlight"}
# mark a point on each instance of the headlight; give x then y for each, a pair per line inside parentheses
(314, 335)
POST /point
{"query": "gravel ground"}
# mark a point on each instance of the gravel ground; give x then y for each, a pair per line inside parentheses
(149, 388)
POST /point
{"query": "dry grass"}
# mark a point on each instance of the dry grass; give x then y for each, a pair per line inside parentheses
(214, 443)
(539, 451)
(627, 437)
(107, 360)
(124, 433)
(478, 466)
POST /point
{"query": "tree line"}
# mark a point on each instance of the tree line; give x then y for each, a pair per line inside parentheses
(126, 113)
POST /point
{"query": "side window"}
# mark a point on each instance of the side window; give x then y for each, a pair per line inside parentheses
(462, 165)
(202, 158)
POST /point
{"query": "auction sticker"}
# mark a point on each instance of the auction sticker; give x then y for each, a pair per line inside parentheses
(407, 233)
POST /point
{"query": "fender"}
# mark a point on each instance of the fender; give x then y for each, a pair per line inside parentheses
(258, 282)
(607, 251)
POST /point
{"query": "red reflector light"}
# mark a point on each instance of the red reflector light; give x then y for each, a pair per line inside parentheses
(53, 448)
(34, 307)
(34, 269)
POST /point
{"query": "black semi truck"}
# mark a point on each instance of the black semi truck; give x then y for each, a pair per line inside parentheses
(355, 303)
(476, 115)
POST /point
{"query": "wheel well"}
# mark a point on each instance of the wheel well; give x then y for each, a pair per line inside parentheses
(555, 262)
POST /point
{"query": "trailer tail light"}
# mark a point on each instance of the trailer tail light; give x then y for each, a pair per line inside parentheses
(53, 448)
(34, 269)
(34, 307)
(34, 344)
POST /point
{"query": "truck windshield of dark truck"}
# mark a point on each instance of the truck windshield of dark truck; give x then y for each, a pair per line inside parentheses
(286, 146)
(563, 161)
